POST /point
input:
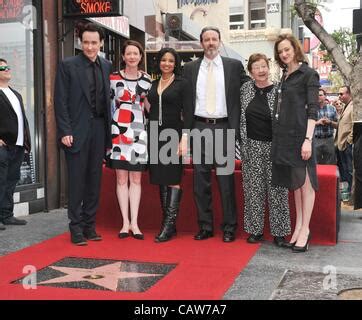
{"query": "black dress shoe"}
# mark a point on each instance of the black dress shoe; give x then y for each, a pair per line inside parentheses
(228, 236)
(2, 228)
(14, 221)
(78, 239)
(203, 234)
(255, 238)
(92, 235)
(279, 241)
(123, 235)
(138, 236)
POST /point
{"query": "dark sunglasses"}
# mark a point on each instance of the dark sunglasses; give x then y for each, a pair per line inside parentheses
(4, 68)
(340, 94)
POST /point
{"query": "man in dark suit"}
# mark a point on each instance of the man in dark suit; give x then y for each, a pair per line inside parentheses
(14, 140)
(82, 110)
(216, 83)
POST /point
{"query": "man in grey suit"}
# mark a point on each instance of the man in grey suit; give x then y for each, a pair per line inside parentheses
(82, 110)
(216, 83)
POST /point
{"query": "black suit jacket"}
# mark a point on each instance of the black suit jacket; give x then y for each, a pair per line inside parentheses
(73, 102)
(235, 76)
(9, 121)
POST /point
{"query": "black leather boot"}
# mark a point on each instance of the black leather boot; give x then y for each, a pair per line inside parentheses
(163, 199)
(169, 225)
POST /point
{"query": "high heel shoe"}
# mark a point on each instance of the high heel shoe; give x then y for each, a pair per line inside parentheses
(123, 235)
(288, 245)
(302, 249)
(138, 236)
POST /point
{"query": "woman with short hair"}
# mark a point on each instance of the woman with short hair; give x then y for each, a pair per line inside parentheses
(258, 98)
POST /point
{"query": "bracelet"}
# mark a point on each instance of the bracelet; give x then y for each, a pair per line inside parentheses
(308, 138)
(184, 134)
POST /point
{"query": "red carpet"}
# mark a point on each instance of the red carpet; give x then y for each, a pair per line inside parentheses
(204, 269)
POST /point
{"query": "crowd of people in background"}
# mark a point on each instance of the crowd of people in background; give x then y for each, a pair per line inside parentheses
(284, 130)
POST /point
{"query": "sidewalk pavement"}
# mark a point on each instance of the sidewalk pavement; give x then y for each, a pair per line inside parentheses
(273, 273)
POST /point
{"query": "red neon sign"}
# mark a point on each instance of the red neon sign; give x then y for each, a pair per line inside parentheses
(92, 8)
(11, 10)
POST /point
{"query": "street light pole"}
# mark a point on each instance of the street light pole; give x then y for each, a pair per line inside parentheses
(357, 25)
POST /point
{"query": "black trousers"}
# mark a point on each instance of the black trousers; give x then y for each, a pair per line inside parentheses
(202, 176)
(84, 179)
(11, 158)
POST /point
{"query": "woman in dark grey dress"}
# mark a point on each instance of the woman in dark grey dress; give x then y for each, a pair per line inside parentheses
(294, 164)
(170, 112)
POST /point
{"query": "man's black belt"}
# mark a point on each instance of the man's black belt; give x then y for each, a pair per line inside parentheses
(211, 120)
(324, 137)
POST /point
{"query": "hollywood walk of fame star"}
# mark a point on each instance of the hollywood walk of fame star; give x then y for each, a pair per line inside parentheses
(193, 58)
(107, 276)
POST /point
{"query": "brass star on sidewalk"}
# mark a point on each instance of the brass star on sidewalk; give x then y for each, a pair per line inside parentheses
(107, 276)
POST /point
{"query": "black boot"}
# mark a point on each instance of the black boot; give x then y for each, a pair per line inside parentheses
(169, 224)
(163, 199)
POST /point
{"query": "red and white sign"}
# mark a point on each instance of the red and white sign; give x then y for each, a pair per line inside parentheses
(323, 68)
(118, 25)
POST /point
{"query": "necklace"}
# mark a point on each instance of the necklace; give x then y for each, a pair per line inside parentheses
(167, 82)
(160, 90)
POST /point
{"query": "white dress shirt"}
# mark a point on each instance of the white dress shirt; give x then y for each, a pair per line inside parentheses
(200, 108)
(15, 103)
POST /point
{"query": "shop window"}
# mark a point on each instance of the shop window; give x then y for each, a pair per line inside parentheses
(236, 21)
(257, 12)
(17, 24)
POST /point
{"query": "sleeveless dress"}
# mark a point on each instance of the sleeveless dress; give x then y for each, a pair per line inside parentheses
(129, 135)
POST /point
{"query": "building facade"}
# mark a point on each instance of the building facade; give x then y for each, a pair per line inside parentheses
(254, 25)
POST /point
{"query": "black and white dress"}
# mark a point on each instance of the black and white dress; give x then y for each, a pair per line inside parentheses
(129, 135)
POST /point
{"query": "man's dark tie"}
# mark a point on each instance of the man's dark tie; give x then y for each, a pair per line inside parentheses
(96, 84)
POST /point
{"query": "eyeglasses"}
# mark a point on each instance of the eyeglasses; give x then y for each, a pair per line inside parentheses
(4, 68)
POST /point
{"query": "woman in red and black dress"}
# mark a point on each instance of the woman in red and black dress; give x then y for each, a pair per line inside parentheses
(129, 153)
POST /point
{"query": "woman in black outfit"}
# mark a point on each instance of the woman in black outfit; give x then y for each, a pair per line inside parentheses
(170, 109)
(294, 164)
